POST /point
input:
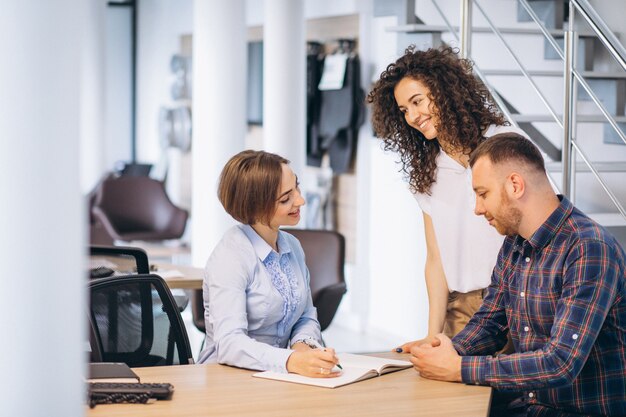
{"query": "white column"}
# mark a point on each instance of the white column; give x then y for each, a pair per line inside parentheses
(43, 311)
(219, 112)
(284, 81)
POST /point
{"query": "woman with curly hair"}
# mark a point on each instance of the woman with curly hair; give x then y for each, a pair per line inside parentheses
(429, 108)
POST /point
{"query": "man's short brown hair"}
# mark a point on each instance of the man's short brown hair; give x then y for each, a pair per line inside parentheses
(509, 146)
(249, 186)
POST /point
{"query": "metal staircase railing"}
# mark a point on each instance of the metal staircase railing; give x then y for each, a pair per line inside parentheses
(571, 74)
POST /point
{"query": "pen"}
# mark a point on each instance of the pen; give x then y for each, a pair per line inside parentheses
(337, 365)
(335, 368)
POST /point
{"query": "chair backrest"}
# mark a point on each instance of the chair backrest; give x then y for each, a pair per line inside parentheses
(136, 207)
(325, 252)
(123, 260)
(135, 320)
(197, 310)
(98, 234)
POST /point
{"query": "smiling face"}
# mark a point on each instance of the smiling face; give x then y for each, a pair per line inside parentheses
(492, 200)
(289, 200)
(413, 100)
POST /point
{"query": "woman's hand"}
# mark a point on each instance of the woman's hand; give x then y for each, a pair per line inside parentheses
(316, 363)
(406, 348)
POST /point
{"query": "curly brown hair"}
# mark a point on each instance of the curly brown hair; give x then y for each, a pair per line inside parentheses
(462, 103)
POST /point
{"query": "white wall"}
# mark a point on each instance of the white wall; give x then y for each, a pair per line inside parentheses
(161, 23)
(398, 299)
(92, 90)
(118, 81)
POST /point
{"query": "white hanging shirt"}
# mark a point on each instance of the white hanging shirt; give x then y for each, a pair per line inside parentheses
(467, 243)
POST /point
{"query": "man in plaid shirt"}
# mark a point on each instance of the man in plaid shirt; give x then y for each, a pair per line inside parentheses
(558, 288)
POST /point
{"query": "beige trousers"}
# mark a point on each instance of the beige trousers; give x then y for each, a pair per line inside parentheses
(461, 308)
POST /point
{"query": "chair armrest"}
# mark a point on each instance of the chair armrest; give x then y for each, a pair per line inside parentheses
(100, 216)
(327, 302)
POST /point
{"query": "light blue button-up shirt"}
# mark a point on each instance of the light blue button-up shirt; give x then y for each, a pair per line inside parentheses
(249, 322)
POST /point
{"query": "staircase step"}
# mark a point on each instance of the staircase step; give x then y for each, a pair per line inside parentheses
(608, 219)
(581, 118)
(557, 73)
(550, 12)
(424, 28)
(608, 166)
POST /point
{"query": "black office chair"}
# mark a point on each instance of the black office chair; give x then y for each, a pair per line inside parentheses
(325, 252)
(134, 319)
(123, 260)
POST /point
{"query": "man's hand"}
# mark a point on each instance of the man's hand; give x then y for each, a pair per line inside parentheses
(437, 360)
(406, 348)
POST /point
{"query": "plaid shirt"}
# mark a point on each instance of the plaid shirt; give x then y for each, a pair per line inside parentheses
(562, 294)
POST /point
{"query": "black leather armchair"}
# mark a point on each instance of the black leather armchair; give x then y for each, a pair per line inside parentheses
(325, 253)
(137, 208)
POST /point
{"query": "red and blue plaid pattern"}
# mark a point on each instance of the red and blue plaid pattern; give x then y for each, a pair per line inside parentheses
(562, 294)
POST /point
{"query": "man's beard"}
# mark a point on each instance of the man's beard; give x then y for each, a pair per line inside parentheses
(509, 218)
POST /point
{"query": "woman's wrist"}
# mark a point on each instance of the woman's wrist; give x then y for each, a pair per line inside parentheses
(308, 342)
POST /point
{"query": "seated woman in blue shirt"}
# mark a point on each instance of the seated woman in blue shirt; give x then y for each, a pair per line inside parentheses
(258, 309)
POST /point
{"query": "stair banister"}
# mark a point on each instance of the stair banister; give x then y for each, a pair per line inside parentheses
(569, 113)
(602, 31)
(496, 31)
(496, 97)
(543, 28)
(465, 28)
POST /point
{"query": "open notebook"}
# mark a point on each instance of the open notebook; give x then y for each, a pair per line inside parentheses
(355, 368)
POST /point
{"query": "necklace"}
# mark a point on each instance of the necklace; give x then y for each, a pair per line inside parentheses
(458, 156)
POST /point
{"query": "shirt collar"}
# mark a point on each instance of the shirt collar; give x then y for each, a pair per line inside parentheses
(445, 161)
(261, 247)
(551, 226)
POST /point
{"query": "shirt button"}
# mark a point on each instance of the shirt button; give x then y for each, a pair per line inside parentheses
(574, 336)
(526, 328)
(527, 259)
(522, 294)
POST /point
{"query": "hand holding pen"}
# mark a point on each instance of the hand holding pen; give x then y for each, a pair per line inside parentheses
(316, 363)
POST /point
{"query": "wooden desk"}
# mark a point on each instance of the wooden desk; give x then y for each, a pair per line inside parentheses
(190, 277)
(218, 390)
(161, 251)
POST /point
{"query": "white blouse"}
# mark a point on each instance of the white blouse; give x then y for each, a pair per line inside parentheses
(467, 243)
